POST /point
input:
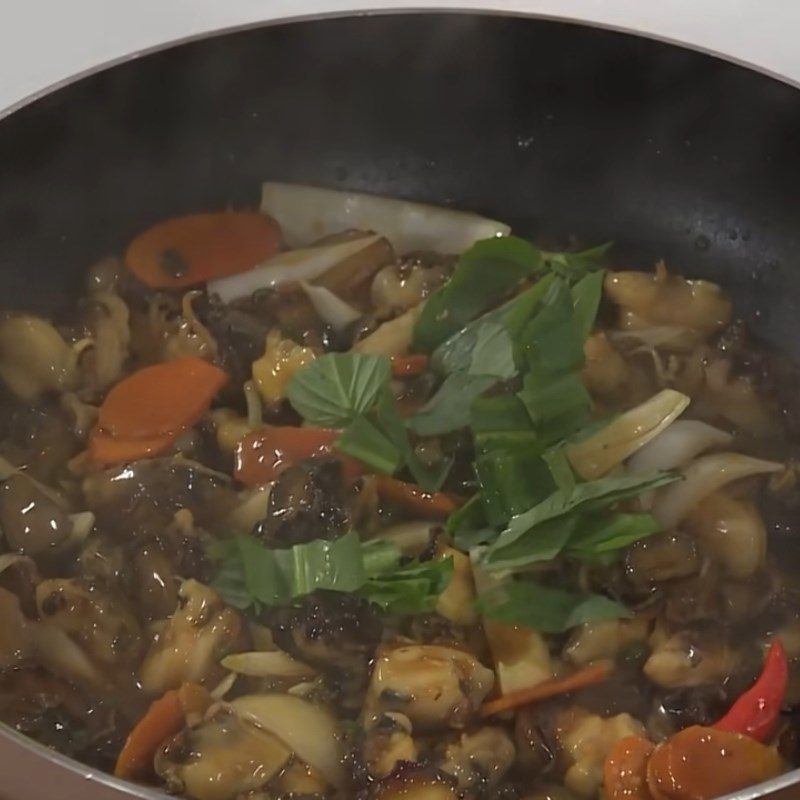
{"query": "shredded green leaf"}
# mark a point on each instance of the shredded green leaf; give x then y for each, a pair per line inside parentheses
(449, 409)
(252, 575)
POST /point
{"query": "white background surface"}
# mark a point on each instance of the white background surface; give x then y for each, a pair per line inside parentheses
(43, 42)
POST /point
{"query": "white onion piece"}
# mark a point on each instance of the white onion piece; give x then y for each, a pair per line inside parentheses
(411, 538)
(677, 446)
(307, 213)
(313, 733)
(289, 267)
(55, 650)
(594, 457)
(331, 309)
(700, 479)
(272, 664)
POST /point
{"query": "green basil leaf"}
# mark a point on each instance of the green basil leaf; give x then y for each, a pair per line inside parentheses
(586, 296)
(411, 589)
(494, 352)
(336, 388)
(512, 481)
(557, 405)
(551, 342)
(335, 564)
(544, 543)
(252, 575)
(574, 266)
(607, 534)
(392, 424)
(485, 273)
(545, 609)
(455, 354)
(582, 499)
(560, 468)
(468, 526)
(362, 440)
(449, 409)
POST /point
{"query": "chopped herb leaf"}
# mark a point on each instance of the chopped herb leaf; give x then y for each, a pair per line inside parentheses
(485, 273)
(449, 409)
(336, 388)
(582, 499)
(545, 609)
(253, 575)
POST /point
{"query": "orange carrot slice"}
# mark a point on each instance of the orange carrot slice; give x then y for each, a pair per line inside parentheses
(413, 498)
(625, 770)
(163, 719)
(262, 454)
(185, 251)
(162, 399)
(105, 450)
(541, 691)
(703, 763)
(409, 366)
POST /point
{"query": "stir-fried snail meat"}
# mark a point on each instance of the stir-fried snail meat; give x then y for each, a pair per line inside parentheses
(353, 498)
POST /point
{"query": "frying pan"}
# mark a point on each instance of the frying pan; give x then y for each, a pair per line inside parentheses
(570, 134)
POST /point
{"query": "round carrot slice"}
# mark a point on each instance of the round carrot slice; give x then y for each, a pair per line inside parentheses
(165, 398)
(185, 251)
(703, 763)
(625, 771)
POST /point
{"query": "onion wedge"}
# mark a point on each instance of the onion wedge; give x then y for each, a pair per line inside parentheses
(307, 213)
(292, 266)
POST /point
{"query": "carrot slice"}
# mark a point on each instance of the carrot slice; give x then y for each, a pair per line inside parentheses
(262, 454)
(412, 497)
(165, 398)
(541, 691)
(625, 769)
(185, 251)
(703, 763)
(163, 719)
(409, 366)
(105, 450)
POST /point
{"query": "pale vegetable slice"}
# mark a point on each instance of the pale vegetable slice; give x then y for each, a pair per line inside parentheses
(733, 533)
(700, 479)
(331, 309)
(272, 664)
(55, 650)
(250, 510)
(290, 267)
(34, 358)
(457, 601)
(600, 453)
(393, 338)
(676, 446)
(521, 656)
(312, 732)
(411, 537)
(307, 213)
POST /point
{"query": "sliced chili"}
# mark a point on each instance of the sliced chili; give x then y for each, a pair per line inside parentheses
(756, 712)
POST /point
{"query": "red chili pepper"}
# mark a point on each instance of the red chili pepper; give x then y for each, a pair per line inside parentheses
(756, 712)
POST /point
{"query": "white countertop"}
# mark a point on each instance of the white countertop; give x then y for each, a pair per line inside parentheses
(45, 42)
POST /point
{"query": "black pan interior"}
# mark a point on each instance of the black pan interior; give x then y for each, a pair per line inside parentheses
(561, 130)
